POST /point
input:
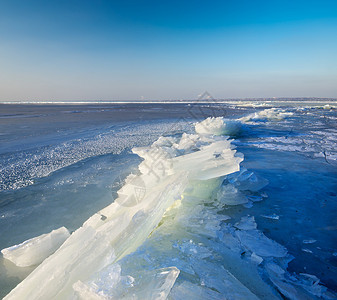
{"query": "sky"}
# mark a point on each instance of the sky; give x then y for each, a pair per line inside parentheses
(75, 50)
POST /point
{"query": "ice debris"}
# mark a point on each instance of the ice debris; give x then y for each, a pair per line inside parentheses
(246, 223)
(195, 163)
(272, 216)
(247, 181)
(255, 258)
(270, 114)
(311, 241)
(151, 285)
(256, 241)
(230, 195)
(35, 250)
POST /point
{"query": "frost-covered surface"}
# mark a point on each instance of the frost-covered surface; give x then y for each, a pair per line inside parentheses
(36, 250)
(315, 143)
(22, 169)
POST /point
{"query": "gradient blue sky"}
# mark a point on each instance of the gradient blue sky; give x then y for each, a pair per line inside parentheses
(91, 50)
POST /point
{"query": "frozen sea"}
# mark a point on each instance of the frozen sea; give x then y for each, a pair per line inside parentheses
(60, 164)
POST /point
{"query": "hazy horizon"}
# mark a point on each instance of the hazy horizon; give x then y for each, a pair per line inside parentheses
(195, 100)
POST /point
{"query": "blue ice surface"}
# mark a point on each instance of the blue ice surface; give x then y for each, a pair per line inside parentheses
(58, 174)
(298, 158)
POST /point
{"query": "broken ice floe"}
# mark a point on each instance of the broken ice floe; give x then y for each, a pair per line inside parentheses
(111, 284)
(247, 180)
(35, 250)
(257, 242)
(246, 223)
(230, 195)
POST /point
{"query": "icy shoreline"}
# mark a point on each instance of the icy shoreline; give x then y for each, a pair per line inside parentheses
(184, 179)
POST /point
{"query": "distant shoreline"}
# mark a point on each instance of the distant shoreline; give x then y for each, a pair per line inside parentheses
(201, 101)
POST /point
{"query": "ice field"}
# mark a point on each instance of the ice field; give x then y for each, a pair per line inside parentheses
(169, 201)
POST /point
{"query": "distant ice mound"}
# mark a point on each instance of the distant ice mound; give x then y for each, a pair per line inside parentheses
(36, 250)
(328, 107)
(218, 126)
(271, 114)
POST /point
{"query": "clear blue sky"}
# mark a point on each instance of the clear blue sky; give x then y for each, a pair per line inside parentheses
(91, 50)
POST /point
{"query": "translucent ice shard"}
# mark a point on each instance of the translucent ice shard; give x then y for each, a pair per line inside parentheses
(187, 290)
(212, 161)
(230, 195)
(246, 223)
(85, 292)
(99, 242)
(297, 287)
(150, 285)
(247, 181)
(255, 258)
(36, 250)
(257, 242)
(223, 281)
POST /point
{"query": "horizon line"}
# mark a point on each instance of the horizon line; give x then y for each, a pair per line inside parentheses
(168, 101)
